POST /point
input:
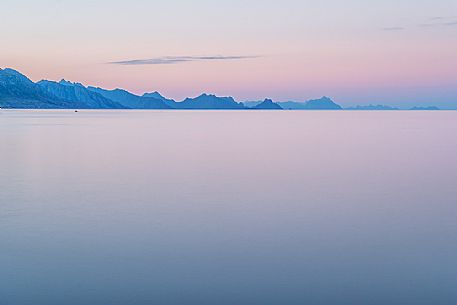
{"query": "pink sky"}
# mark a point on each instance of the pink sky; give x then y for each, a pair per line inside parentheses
(356, 52)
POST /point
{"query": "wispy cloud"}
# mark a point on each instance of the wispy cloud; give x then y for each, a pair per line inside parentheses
(393, 28)
(169, 60)
(440, 22)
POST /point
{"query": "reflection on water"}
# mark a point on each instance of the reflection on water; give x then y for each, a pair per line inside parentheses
(228, 207)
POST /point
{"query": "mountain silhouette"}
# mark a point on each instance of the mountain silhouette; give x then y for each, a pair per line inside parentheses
(78, 94)
(159, 96)
(18, 91)
(209, 101)
(324, 103)
(267, 104)
(129, 100)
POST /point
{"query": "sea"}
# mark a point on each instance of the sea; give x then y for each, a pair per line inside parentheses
(228, 207)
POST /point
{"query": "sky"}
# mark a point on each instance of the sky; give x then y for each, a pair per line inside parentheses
(357, 52)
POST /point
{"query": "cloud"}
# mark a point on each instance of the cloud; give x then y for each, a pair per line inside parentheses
(393, 28)
(440, 22)
(169, 60)
(436, 18)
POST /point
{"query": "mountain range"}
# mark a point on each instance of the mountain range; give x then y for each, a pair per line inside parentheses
(18, 91)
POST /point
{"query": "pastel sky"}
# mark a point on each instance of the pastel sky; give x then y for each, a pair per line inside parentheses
(354, 51)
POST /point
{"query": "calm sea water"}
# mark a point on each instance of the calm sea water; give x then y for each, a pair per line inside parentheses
(228, 207)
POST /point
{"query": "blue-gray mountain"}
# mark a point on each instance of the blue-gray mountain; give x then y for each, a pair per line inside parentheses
(210, 101)
(267, 104)
(79, 95)
(159, 96)
(129, 100)
(17, 91)
(324, 103)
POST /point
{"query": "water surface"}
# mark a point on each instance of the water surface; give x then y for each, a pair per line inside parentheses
(228, 207)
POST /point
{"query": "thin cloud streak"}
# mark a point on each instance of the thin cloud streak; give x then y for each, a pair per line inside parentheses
(437, 18)
(170, 60)
(440, 21)
(393, 28)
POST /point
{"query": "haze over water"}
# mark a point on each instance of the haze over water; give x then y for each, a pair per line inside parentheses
(228, 207)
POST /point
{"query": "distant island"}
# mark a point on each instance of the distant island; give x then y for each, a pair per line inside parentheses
(425, 108)
(372, 107)
(18, 92)
(385, 107)
(324, 103)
